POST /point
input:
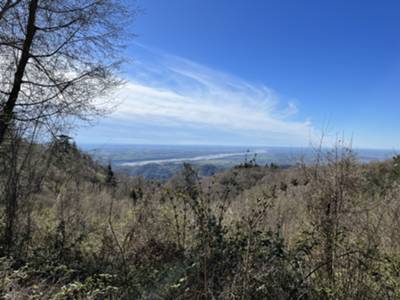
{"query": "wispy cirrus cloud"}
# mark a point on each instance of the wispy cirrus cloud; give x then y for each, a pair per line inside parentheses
(167, 98)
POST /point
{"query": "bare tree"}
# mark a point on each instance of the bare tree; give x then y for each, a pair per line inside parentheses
(333, 183)
(24, 163)
(57, 57)
(6, 5)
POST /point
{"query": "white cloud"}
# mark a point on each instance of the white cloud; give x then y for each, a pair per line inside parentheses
(171, 91)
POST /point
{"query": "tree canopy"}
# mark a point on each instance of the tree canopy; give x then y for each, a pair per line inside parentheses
(57, 58)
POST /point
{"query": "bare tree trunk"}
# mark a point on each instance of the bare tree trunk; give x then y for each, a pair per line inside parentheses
(11, 197)
(7, 111)
(11, 214)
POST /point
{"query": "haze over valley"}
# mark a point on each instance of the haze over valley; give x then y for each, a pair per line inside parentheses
(165, 161)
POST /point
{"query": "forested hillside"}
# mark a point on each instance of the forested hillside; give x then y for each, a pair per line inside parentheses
(71, 229)
(326, 227)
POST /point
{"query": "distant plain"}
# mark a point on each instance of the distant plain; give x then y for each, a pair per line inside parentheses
(164, 161)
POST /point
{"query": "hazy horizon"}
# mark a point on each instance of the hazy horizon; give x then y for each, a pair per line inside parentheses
(101, 144)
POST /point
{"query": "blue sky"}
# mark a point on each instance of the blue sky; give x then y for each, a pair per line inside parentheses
(254, 72)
